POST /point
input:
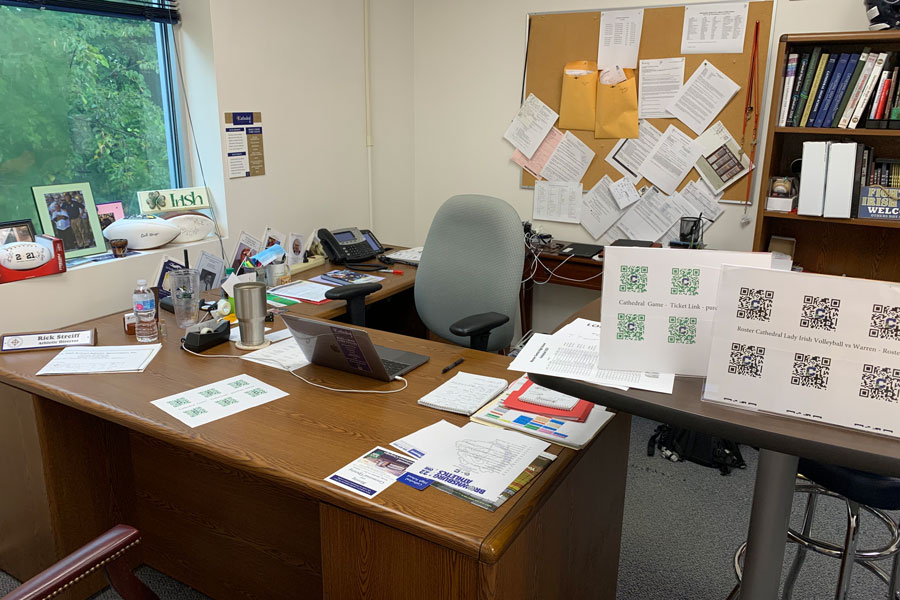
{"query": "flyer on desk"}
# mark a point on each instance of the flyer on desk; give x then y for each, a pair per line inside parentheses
(659, 305)
(817, 347)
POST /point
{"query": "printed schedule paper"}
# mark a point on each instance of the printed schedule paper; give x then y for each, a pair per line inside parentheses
(659, 305)
(816, 347)
(620, 38)
(714, 28)
(216, 400)
(557, 201)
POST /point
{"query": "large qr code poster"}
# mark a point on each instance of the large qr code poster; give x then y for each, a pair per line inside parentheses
(810, 346)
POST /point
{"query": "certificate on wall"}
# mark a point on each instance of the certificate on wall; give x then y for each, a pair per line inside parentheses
(659, 305)
(816, 347)
(244, 144)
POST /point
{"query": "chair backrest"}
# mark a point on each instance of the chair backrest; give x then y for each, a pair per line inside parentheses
(471, 264)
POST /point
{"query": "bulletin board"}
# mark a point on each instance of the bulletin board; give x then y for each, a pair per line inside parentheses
(557, 38)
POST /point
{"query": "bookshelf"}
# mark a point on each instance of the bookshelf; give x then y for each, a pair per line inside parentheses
(854, 247)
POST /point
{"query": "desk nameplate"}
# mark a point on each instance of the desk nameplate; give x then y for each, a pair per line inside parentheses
(47, 340)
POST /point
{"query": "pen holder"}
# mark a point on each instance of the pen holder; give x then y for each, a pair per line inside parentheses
(250, 310)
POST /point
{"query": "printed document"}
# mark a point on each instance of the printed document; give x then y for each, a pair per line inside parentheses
(530, 126)
(629, 154)
(286, 355)
(620, 38)
(670, 160)
(477, 459)
(371, 473)
(557, 201)
(419, 442)
(569, 161)
(701, 201)
(660, 80)
(653, 216)
(714, 28)
(599, 209)
(624, 193)
(464, 393)
(703, 97)
(101, 359)
(302, 290)
(659, 305)
(536, 163)
(721, 161)
(220, 399)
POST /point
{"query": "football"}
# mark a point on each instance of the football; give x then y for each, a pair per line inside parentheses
(193, 226)
(142, 233)
(22, 256)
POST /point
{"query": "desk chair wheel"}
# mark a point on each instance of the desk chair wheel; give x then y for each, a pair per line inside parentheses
(355, 295)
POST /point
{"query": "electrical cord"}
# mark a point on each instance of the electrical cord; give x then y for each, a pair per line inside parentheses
(535, 252)
(281, 365)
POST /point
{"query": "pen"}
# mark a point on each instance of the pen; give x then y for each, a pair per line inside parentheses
(394, 271)
(454, 364)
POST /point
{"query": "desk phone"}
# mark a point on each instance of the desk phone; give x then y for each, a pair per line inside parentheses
(349, 245)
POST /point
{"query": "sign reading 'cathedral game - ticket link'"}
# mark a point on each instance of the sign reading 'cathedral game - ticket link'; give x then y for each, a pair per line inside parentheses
(659, 304)
(811, 346)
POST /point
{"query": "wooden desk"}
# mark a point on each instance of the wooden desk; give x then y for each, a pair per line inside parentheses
(780, 439)
(238, 508)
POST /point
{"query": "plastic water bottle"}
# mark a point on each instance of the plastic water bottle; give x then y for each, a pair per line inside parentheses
(145, 313)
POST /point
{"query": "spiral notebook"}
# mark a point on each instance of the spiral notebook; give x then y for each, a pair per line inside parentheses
(464, 393)
(535, 394)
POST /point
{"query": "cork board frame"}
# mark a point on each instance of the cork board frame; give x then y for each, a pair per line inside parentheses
(557, 38)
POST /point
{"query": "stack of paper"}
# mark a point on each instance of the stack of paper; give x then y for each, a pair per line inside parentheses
(302, 290)
(464, 393)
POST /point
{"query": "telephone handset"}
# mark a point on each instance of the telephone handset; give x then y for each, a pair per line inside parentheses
(349, 245)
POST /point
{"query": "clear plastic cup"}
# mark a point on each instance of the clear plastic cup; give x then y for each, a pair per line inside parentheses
(185, 287)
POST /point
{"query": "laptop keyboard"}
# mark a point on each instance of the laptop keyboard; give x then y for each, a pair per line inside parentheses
(392, 367)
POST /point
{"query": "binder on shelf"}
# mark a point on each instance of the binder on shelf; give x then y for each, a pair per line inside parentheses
(812, 179)
(841, 179)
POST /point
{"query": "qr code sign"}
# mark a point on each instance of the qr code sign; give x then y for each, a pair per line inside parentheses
(810, 371)
(630, 327)
(820, 313)
(633, 279)
(755, 305)
(682, 330)
(880, 383)
(746, 360)
(885, 322)
(685, 282)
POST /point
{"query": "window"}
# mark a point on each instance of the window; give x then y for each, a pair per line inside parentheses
(84, 98)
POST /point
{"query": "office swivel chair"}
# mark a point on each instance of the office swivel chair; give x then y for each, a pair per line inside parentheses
(467, 283)
(107, 552)
(355, 295)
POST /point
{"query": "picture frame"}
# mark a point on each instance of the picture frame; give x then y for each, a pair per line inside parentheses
(67, 211)
(110, 212)
(16, 231)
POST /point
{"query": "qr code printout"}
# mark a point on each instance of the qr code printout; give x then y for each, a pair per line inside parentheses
(746, 360)
(880, 383)
(682, 330)
(685, 282)
(755, 304)
(633, 278)
(820, 313)
(630, 327)
(885, 323)
(810, 371)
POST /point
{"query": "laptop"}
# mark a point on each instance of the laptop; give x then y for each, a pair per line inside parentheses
(349, 349)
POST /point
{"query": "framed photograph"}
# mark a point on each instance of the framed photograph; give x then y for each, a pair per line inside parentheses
(109, 212)
(271, 237)
(68, 212)
(295, 248)
(212, 271)
(247, 246)
(16, 231)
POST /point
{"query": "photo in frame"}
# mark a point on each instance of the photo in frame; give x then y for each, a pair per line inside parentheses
(67, 211)
(110, 212)
(16, 231)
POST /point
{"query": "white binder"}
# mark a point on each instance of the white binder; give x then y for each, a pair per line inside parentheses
(812, 178)
(839, 180)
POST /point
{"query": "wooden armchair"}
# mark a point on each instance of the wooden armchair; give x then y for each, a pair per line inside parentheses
(103, 552)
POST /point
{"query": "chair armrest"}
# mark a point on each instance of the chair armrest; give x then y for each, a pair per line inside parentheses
(90, 557)
(353, 290)
(478, 324)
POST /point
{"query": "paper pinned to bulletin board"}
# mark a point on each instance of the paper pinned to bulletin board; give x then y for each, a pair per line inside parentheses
(555, 39)
(244, 144)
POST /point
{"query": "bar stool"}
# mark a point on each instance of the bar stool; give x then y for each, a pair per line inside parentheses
(860, 490)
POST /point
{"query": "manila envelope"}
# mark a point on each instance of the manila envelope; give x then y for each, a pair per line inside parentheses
(579, 95)
(617, 109)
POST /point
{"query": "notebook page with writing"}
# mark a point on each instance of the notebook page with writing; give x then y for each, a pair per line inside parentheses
(464, 393)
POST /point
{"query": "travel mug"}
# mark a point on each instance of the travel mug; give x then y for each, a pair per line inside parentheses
(250, 310)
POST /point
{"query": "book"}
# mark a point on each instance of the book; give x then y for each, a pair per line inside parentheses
(823, 87)
(800, 74)
(346, 277)
(807, 84)
(790, 73)
(841, 90)
(850, 87)
(858, 90)
(871, 83)
(877, 95)
(464, 393)
(814, 88)
(891, 99)
(833, 83)
(883, 96)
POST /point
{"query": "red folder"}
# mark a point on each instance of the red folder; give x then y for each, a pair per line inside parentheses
(578, 413)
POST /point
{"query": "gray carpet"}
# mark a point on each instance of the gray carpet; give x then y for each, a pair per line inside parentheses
(682, 525)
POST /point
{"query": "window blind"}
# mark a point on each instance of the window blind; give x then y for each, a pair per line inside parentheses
(158, 11)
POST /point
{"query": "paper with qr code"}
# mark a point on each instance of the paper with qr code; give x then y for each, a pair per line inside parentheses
(659, 304)
(817, 347)
(216, 400)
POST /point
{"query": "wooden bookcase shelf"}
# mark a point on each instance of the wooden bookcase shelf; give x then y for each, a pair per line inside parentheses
(865, 248)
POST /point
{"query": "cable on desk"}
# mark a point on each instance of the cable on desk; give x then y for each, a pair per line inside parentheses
(551, 272)
(282, 366)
